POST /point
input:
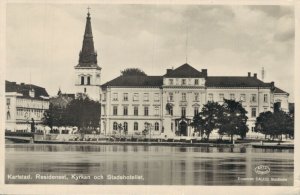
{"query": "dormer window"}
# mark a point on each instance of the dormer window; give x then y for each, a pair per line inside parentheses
(31, 92)
(183, 81)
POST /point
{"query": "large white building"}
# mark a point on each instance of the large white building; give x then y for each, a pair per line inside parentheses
(25, 104)
(168, 102)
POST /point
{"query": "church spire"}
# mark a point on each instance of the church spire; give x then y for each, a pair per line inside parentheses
(87, 55)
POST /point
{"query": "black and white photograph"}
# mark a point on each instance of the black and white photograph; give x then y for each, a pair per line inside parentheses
(149, 94)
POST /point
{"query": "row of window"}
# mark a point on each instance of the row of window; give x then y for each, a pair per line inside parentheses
(243, 97)
(136, 110)
(26, 113)
(21, 102)
(156, 111)
(135, 97)
(85, 80)
(183, 82)
(124, 126)
(183, 97)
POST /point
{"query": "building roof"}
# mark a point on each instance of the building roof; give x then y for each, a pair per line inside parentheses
(136, 81)
(235, 81)
(184, 71)
(277, 90)
(187, 71)
(87, 55)
(39, 92)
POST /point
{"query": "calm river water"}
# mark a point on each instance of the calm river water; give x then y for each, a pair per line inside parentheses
(143, 165)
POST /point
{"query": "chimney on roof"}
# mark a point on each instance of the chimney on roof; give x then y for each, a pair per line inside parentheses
(22, 83)
(204, 72)
(249, 74)
(169, 70)
(255, 75)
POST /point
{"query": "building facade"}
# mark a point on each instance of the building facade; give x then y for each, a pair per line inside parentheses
(166, 104)
(169, 102)
(25, 104)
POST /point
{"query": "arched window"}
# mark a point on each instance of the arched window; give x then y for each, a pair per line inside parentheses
(156, 126)
(125, 126)
(136, 126)
(88, 80)
(115, 126)
(82, 80)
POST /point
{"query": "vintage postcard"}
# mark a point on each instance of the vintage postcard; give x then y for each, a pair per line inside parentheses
(149, 97)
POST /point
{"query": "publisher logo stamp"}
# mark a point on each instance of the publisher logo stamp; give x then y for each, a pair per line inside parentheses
(262, 169)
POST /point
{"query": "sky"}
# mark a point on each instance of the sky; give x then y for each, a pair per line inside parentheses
(43, 41)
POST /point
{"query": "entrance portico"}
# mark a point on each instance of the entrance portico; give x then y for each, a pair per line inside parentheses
(182, 126)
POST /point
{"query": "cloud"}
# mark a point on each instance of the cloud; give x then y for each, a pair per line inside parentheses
(45, 39)
(285, 29)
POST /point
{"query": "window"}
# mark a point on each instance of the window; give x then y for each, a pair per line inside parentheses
(210, 97)
(266, 98)
(84, 90)
(183, 81)
(115, 96)
(265, 109)
(146, 97)
(232, 96)
(135, 110)
(253, 98)
(171, 126)
(104, 111)
(156, 97)
(171, 82)
(183, 96)
(82, 80)
(7, 101)
(104, 96)
(135, 126)
(171, 110)
(196, 96)
(156, 111)
(196, 111)
(125, 126)
(253, 112)
(8, 115)
(146, 110)
(115, 126)
(156, 126)
(125, 110)
(243, 97)
(183, 111)
(135, 97)
(196, 81)
(115, 110)
(88, 80)
(125, 96)
(221, 97)
(171, 98)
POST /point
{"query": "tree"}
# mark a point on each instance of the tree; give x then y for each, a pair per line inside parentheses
(55, 116)
(211, 113)
(275, 124)
(83, 113)
(197, 124)
(234, 119)
(133, 72)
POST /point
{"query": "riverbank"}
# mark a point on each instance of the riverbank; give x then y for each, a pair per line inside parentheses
(162, 143)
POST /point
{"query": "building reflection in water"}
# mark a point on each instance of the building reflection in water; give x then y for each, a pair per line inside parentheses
(159, 165)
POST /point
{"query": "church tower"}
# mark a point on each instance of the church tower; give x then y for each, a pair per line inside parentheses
(87, 71)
